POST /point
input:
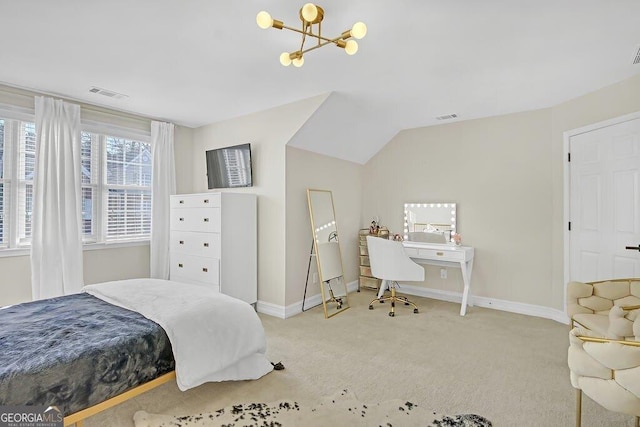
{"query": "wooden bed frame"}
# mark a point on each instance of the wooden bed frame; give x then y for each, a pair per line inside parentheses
(78, 418)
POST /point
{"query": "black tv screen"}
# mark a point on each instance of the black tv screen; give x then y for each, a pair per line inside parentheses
(229, 167)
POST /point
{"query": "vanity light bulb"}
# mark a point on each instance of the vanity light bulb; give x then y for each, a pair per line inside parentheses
(264, 20)
(298, 62)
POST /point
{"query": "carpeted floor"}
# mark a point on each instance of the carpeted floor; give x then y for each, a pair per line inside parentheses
(509, 368)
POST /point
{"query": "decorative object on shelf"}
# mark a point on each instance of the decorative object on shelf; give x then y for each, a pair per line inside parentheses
(374, 228)
(456, 239)
(397, 237)
(310, 15)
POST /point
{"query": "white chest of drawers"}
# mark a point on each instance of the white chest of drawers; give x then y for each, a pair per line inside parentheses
(214, 242)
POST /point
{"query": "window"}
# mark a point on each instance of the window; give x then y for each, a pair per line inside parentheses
(2, 180)
(27, 168)
(115, 181)
(17, 167)
(127, 188)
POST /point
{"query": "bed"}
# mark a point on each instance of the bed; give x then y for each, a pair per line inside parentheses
(86, 352)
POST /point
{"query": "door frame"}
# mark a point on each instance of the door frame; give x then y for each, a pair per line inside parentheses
(567, 135)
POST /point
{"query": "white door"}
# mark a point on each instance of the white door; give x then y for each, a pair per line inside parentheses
(604, 174)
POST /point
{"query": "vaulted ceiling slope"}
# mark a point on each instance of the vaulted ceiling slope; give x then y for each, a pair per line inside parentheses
(198, 62)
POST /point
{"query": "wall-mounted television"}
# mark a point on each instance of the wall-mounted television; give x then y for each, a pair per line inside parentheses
(229, 167)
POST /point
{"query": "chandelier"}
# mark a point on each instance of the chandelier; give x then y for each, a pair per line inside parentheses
(310, 15)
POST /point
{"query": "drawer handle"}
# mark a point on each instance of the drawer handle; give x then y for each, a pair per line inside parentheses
(439, 253)
(205, 269)
(182, 242)
(206, 200)
(206, 220)
(181, 202)
(180, 265)
(206, 245)
(181, 219)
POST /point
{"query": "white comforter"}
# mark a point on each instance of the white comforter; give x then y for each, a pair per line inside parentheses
(214, 337)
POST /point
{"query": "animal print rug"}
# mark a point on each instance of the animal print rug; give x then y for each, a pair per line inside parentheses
(342, 409)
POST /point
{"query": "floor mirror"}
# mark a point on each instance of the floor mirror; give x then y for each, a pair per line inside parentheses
(326, 247)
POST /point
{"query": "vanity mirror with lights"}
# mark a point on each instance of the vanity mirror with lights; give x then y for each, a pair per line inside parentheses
(429, 222)
(428, 228)
(326, 250)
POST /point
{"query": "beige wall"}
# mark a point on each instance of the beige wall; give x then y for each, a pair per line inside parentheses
(183, 153)
(310, 170)
(506, 174)
(268, 132)
(498, 171)
(100, 264)
(103, 265)
(15, 280)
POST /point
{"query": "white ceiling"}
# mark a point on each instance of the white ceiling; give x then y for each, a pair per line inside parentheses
(196, 62)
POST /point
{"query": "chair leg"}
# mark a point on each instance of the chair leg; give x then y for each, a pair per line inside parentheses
(578, 407)
(392, 299)
(637, 421)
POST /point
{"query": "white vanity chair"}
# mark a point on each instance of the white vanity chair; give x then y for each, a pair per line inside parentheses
(390, 262)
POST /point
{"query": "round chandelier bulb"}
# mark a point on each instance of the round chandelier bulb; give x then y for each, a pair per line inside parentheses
(298, 62)
(359, 30)
(285, 59)
(351, 47)
(264, 20)
(309, 12)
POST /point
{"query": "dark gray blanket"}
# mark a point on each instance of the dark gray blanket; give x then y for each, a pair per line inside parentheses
(76, 351)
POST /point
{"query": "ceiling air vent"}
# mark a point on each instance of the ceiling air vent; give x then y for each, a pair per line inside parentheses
(447, 117)
(107, 93)
(636, 59)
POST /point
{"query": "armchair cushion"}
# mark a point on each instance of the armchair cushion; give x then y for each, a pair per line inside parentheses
(607, 372)
(619, 326)
(597, 306)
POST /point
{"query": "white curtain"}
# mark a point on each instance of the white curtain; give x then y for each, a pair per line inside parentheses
(56, 238)
(164, 185)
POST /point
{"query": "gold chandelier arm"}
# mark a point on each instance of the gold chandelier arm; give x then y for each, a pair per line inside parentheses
(317, 36)
(304, 34)
(325, 42)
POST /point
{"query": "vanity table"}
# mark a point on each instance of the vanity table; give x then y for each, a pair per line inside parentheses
(445, 255)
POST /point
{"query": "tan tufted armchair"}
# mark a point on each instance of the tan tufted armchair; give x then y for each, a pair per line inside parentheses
(604, 344)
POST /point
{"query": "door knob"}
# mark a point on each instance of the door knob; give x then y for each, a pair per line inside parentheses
(633, 248)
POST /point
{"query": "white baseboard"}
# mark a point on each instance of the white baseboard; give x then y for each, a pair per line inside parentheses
(284, 312)
(496, 304)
